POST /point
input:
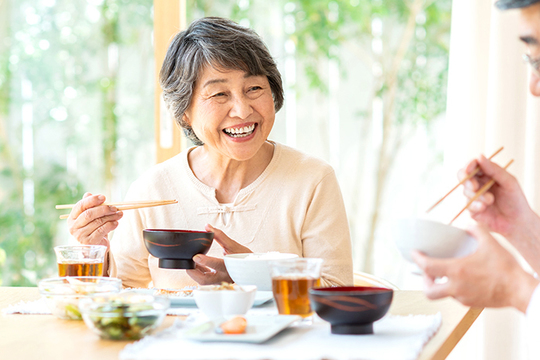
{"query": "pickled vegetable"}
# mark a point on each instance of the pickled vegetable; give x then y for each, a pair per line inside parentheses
(236, 325)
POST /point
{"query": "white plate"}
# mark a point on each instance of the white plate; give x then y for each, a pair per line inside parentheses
(261, 297)
(259, 329)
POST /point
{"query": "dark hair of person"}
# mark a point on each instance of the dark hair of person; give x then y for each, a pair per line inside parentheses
(514, 4)
(216, 42)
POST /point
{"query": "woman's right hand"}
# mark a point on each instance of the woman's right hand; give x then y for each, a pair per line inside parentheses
(504, 208)
(90, 222)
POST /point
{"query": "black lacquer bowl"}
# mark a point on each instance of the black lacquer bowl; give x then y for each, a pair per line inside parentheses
(176, 248)
(351, 309)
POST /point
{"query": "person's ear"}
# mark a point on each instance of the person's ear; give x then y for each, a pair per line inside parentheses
(185, 118)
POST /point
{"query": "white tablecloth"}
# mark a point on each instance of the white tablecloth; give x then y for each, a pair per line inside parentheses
(394, 338)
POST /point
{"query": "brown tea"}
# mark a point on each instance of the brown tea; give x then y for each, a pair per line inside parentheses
(292, 294)
(78, 268)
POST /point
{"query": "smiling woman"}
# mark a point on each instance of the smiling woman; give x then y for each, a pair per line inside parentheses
(224, 89)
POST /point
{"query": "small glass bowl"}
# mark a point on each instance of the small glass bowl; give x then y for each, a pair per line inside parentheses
(63, 294)
(129, 315)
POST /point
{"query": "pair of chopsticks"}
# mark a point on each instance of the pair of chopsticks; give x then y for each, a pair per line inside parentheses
(479, 193)
(129, 205)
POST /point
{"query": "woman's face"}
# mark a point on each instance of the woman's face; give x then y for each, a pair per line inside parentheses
(231, 112)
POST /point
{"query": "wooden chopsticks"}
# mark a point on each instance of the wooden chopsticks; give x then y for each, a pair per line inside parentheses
(470, 175)
(479, 193)
(129, 205)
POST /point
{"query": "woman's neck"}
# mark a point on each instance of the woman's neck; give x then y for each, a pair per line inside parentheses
(226, 175)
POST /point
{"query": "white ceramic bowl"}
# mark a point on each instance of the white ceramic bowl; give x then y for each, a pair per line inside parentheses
(252, 268)
(432, 238)
(217, 304)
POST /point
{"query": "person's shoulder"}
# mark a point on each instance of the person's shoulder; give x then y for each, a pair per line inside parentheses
(302, 160)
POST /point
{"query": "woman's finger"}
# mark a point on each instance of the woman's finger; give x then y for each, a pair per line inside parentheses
(209, 270)
(210, 262)
(229, 245)
(87, 202)
(91, 220)
(100, 234)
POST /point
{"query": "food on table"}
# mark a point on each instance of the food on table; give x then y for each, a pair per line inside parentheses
(226, 286)
(234, 326)
(62, 295)
(126, 316)
(175, 293)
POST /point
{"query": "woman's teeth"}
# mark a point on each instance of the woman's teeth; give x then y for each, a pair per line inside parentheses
(240, 132)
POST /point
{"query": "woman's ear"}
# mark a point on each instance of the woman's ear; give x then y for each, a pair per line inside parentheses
(185, 118)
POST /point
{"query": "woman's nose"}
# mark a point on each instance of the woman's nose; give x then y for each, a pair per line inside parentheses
(241, 108)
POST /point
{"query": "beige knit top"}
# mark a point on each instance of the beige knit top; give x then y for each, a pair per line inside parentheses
(294, 206)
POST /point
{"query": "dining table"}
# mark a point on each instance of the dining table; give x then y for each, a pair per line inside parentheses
(29, 337)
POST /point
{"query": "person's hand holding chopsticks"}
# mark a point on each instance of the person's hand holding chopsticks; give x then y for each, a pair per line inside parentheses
(90, 222)
(503, 208)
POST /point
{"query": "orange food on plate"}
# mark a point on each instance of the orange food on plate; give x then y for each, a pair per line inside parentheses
(236, 325)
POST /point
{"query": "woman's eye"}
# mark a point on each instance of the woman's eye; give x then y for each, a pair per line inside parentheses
(219, 94)
(253, 88)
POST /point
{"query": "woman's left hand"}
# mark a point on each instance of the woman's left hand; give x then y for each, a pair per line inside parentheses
(229, 245)
(210, 270)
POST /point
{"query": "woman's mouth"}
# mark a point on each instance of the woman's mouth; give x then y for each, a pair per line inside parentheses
(240, 132)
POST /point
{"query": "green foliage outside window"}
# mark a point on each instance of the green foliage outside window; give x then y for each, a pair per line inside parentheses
(59, 61)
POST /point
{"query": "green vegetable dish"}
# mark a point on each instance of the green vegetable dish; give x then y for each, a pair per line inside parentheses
(127, 316)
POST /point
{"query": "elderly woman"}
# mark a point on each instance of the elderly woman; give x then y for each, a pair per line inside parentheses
(224, 89)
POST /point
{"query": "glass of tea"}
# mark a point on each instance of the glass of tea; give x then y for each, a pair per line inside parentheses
(291, 281)
(80, 260)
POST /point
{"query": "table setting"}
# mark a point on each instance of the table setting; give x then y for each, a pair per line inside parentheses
(275, 309)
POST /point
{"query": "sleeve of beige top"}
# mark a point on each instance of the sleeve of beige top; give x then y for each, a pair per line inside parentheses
(128, 255)
(326, 235)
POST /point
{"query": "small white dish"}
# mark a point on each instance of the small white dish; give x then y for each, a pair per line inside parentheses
(259, 329)
(216, 303)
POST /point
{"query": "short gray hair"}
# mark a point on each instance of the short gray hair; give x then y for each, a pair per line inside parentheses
(220, 43)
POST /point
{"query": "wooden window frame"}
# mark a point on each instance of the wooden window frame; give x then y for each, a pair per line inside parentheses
(169, 18)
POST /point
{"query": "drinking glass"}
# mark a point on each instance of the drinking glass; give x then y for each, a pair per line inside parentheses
(291, 281)
(80, 260)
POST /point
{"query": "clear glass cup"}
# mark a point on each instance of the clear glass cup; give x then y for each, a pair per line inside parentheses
(291, 281)
(80, 260)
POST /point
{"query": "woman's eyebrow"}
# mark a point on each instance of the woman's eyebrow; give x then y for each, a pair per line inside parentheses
(529, 40)
(214, 81)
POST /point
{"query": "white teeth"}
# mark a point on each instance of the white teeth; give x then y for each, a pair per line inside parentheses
(240, 132)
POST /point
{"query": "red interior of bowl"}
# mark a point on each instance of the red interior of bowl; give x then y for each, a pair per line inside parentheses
(353, 289)
(179, 231)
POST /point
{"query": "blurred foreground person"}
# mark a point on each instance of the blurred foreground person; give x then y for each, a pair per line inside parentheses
(491, 277)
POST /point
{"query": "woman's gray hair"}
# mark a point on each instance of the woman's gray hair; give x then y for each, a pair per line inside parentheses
(220, 43)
